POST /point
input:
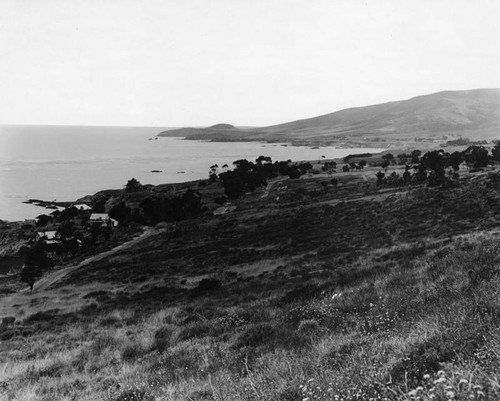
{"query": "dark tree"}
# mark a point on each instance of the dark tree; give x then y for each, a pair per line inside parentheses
(133, 186)
(30, 274)
(362, 163)
(243, 165)
(415, 156)
(120, 212)
(263, 159)
(65, 215)
(294, 172)
(407, 175)
(496, 152)
(436, 161)
(345, 168)
(43, 220)
(403, 158)
(389, 157)
(384, 164)
(421, 174)
(35, 263)
(477, 156)
(305, 167)
(329, 167)
(456, 158)
(380, 178)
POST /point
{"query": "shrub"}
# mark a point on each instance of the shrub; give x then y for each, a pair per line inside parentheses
(255, 335)
(291, 394)
(111, 321)
(427, 357)
(132, 352)
(186, 359)
(200, 395)
(209, 284)
(231, 320)
(194, 330)
(54, 370)
(163, 338)
(96, 294)
(301, 293)
(42, 316)
(135, 395)
(101, 343)
(322, 313)
(308, 326)
(8, 334)
(8, 321)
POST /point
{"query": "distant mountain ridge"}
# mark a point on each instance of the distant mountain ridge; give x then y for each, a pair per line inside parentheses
(472, 113)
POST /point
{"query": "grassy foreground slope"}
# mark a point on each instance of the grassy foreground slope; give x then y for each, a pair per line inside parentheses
(353, 292)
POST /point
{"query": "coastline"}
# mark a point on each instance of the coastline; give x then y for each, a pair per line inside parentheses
(121, 158)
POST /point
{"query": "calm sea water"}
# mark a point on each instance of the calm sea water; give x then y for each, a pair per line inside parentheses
(67, 163)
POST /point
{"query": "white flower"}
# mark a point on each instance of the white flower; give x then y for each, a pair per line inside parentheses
(450, 395)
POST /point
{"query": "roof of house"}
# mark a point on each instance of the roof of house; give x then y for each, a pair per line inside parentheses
(82, 206)
(99, 216)
(50, 235)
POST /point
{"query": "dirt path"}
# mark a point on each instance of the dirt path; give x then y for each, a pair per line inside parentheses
(50, 279)
(270, 186)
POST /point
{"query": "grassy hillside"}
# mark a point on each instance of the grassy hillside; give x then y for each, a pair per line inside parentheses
(474, 114)
(311, 292)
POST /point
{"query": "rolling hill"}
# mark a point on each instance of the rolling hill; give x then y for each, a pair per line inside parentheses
(473, 114)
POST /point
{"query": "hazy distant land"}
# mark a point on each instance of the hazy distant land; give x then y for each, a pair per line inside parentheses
(420, 121)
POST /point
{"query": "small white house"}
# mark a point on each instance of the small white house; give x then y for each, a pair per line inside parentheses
(82, 206)
(49, 237)
(103, 219)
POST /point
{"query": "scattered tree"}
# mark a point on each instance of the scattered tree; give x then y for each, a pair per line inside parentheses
(415, 156)
(477, 156)
(43, 220)
(35, 263)
(133, 186)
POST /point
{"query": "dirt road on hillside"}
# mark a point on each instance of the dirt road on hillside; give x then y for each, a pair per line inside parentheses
(52, 278)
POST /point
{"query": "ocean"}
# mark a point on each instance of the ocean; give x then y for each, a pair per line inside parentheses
(65, 163)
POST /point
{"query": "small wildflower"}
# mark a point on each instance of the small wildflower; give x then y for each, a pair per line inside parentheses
(450, 395)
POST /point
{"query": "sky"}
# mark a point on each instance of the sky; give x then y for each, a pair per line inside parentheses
(178, 63)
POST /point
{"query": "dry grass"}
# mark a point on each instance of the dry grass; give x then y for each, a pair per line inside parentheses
(405, 319)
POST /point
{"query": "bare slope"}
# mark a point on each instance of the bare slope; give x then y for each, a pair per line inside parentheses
(474, 114)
